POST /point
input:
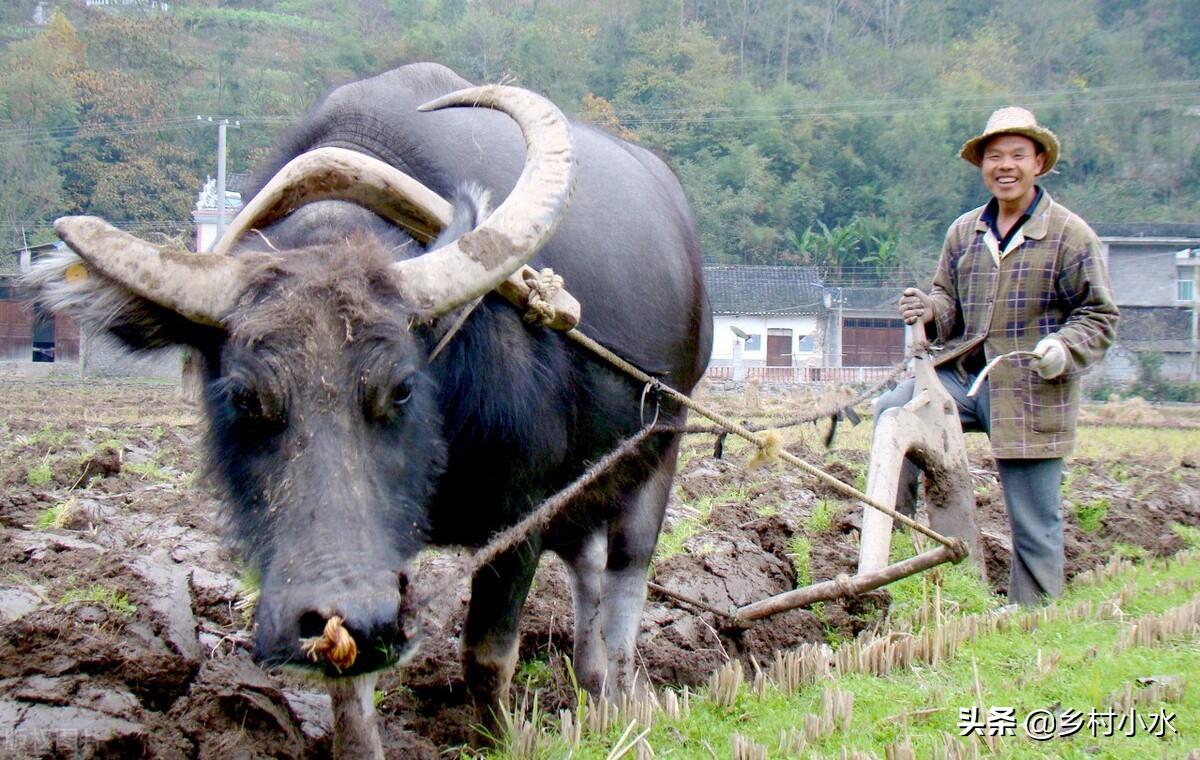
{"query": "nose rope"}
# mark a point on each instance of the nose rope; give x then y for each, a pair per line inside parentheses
(335, 645)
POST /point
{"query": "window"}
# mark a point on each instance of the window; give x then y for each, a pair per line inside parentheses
(754, 343)
(1186, 290)
(805, 346)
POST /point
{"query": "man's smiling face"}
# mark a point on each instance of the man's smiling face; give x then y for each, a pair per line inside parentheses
(1010, 164)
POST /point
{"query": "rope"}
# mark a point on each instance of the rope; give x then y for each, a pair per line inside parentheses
(844, 584)
(335, 645)
(543, 286)
(549, 508)
(825, 412)
(956, 546)
(454, 328)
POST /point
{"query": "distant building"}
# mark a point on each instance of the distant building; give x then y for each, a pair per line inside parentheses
(148, 5)
(33, 341)
(205, 212)
(765, 316)
(27, 333)
(1154, 270)
(782, 324)
(872, 333)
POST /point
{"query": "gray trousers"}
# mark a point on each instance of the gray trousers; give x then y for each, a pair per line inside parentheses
(1031, 495)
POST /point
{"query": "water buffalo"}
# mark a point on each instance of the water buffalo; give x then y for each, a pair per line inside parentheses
(341, 447)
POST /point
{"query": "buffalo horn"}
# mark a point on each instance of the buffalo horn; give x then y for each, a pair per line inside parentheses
(203, 287)
(464, 269)
(340, 174)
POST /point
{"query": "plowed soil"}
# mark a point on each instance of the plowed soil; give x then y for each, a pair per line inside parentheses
(121, 632)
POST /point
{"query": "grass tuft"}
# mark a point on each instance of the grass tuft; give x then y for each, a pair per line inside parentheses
(40, 474)
(1090, 516)
(56, 516)
(800, 550)
(1189, 533)
(822, 516)
(114, 601)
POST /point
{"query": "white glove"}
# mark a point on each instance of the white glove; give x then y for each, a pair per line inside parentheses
(1052, 358)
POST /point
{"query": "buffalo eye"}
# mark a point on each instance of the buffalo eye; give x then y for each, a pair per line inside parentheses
(254, 406)
(246, 401)
(402, 393)
(386, 401)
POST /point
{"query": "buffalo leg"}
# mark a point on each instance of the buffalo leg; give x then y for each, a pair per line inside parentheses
(489, 638)
(586, 563)
(632, 538)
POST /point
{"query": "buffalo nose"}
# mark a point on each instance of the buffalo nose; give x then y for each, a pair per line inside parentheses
(343, 629)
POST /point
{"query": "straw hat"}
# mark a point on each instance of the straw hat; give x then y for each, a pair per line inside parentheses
(1013, 121)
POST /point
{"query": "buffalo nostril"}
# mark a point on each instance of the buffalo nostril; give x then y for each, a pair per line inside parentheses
(312, 625)
(335, 645)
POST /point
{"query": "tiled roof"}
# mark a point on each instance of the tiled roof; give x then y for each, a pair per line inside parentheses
(744, 289)
(10, 261)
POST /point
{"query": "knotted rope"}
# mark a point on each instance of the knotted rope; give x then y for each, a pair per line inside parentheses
(336, 646)
(543, 286)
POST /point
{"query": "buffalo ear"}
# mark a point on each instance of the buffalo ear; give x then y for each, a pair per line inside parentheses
(63, 282)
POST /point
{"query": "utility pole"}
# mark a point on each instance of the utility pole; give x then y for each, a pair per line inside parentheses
(222, 124)
(1194, 374)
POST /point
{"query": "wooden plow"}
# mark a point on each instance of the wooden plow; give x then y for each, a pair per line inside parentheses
(927, 431)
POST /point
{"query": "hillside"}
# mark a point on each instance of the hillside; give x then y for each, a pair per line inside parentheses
(809, 131)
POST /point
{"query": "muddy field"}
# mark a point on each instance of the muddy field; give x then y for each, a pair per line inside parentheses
(122, 632)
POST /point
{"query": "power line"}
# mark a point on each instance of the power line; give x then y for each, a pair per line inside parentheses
(796, 114)
(32, 136)
(1093, 96)
(984, 99)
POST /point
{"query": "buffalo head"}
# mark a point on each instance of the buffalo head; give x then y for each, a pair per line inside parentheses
(324, 431)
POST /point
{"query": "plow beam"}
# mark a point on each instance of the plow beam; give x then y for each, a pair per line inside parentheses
(926, 430)
(844, 586)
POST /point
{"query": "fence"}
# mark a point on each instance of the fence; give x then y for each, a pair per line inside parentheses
(804, 374)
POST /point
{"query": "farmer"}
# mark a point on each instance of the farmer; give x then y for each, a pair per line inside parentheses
(1021, 273)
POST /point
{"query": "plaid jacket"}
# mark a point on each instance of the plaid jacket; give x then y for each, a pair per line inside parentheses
(1051, 280)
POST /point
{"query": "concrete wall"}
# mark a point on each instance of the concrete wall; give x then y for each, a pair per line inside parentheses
(1145, 273)
(724, 338)
(105, 357)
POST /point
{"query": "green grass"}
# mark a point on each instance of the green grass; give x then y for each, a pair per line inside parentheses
(1111, 443)
(1119, 471)
(52, 437)
(56, 516)
(40, 474)
(152, 471)
(534, 674)
(1080, 667)
(1090, 515)
(670, 542)
(800, 551)
(110, 599)
(1130, 551)
(1190, 534)
(962, 587)
(822, 516)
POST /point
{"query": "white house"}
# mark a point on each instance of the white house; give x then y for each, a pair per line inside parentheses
(205, 213)
(766, 316)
